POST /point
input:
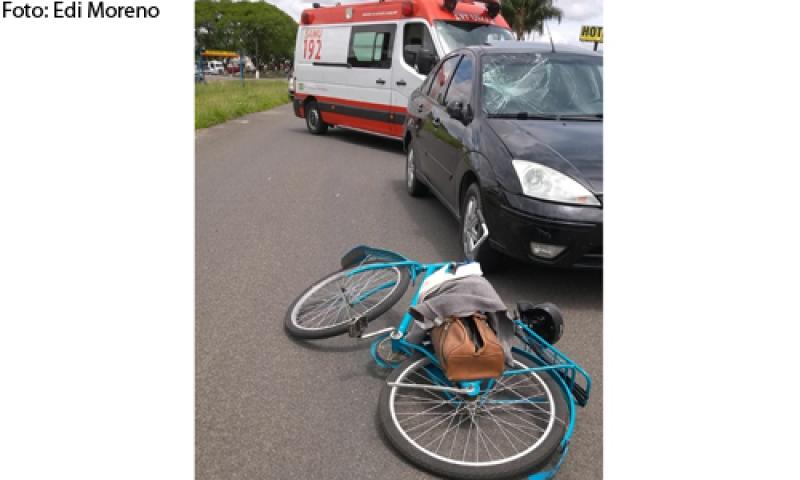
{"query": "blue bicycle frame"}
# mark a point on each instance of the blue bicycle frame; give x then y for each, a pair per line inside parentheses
(573, 380)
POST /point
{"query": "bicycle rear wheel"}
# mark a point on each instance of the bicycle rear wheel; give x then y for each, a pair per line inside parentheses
(511, 430)
(326, 308)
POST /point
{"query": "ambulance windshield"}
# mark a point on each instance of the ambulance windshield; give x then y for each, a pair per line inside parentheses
(463, 34)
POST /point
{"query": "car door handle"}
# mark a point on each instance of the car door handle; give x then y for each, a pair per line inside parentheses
(436, 122)
(401, 83)
(380, 81)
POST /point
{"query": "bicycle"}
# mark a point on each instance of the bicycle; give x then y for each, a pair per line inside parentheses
(519, 423)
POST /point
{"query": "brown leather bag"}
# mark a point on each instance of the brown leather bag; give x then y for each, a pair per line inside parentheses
(467, 348)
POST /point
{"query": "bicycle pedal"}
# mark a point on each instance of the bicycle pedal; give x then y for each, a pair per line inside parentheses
(357, 327)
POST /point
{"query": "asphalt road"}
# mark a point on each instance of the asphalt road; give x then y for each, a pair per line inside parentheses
(275, 209)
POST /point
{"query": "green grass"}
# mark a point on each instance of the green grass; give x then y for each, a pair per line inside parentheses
(219, 101)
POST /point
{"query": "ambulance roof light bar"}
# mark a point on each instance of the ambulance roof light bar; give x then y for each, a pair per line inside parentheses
(492, 6)
(408, 8)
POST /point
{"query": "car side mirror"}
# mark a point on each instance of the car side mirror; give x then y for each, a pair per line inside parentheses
(458, 111)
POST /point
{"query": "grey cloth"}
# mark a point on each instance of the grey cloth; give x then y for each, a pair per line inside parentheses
(462, 297)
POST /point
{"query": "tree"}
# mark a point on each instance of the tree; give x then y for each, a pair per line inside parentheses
(525, 16)
(261, 30)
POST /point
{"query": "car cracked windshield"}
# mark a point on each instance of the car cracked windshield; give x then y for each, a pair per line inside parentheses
(463, 34)
(554, 86)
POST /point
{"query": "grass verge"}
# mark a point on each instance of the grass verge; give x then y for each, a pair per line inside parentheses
(219, 101)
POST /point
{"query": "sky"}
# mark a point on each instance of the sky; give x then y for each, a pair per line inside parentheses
(576, 13)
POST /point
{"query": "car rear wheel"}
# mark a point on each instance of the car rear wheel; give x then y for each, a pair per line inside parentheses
(472, 229)
(413, 185)
(314, 121)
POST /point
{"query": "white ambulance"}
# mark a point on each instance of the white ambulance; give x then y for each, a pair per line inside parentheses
(356, 65)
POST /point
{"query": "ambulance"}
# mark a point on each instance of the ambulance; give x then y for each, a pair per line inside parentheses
(356, 65)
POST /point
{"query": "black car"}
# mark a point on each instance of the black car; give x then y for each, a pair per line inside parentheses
(509, 137)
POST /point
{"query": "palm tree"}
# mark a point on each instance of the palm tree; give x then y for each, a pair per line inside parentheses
(526, 16)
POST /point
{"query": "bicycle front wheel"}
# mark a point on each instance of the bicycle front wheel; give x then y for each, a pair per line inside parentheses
(512, 429)
(327, 307)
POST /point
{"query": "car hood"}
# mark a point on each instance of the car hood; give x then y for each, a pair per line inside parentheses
(569, 146)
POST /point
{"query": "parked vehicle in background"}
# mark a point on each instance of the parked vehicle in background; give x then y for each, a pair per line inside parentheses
(214, 67)
(356, 65)
(509, 137)
(234, 65)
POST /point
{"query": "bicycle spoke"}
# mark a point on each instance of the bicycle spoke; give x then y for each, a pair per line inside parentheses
(520, 428)
(431, 397)
(424, 412)
(431, 428)
(534, 415)
(535, 405)
(446, 430)
(486, 438)
(466, 443)
(506, 433)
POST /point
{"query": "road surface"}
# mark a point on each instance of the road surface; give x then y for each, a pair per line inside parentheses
(276, 207)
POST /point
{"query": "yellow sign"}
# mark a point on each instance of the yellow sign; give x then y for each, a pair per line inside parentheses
(591, 33)
(220, 53)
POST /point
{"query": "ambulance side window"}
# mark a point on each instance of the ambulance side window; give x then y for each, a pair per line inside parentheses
(371, 46)
(416, 33)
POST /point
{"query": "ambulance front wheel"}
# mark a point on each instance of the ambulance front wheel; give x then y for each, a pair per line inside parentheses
(314, 119)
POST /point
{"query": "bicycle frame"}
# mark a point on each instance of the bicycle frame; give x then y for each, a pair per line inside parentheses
(549, 359)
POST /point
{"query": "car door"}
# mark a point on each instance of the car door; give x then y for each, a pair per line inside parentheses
(449, 142)
(430, 116)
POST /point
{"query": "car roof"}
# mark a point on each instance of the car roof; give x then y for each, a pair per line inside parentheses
(513, 46)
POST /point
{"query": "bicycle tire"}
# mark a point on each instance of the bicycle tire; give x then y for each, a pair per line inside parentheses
(420, 451)
(294, 325)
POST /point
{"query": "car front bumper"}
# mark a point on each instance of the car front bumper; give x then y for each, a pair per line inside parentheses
(514, 221)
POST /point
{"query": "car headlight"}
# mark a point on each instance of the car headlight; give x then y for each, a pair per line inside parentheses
(545, 183)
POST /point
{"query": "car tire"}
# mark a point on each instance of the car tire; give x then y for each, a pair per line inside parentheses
(314, 121)
(471, 210)
(414, 187)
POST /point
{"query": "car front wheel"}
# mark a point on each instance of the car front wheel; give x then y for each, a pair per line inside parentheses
(473, 227)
